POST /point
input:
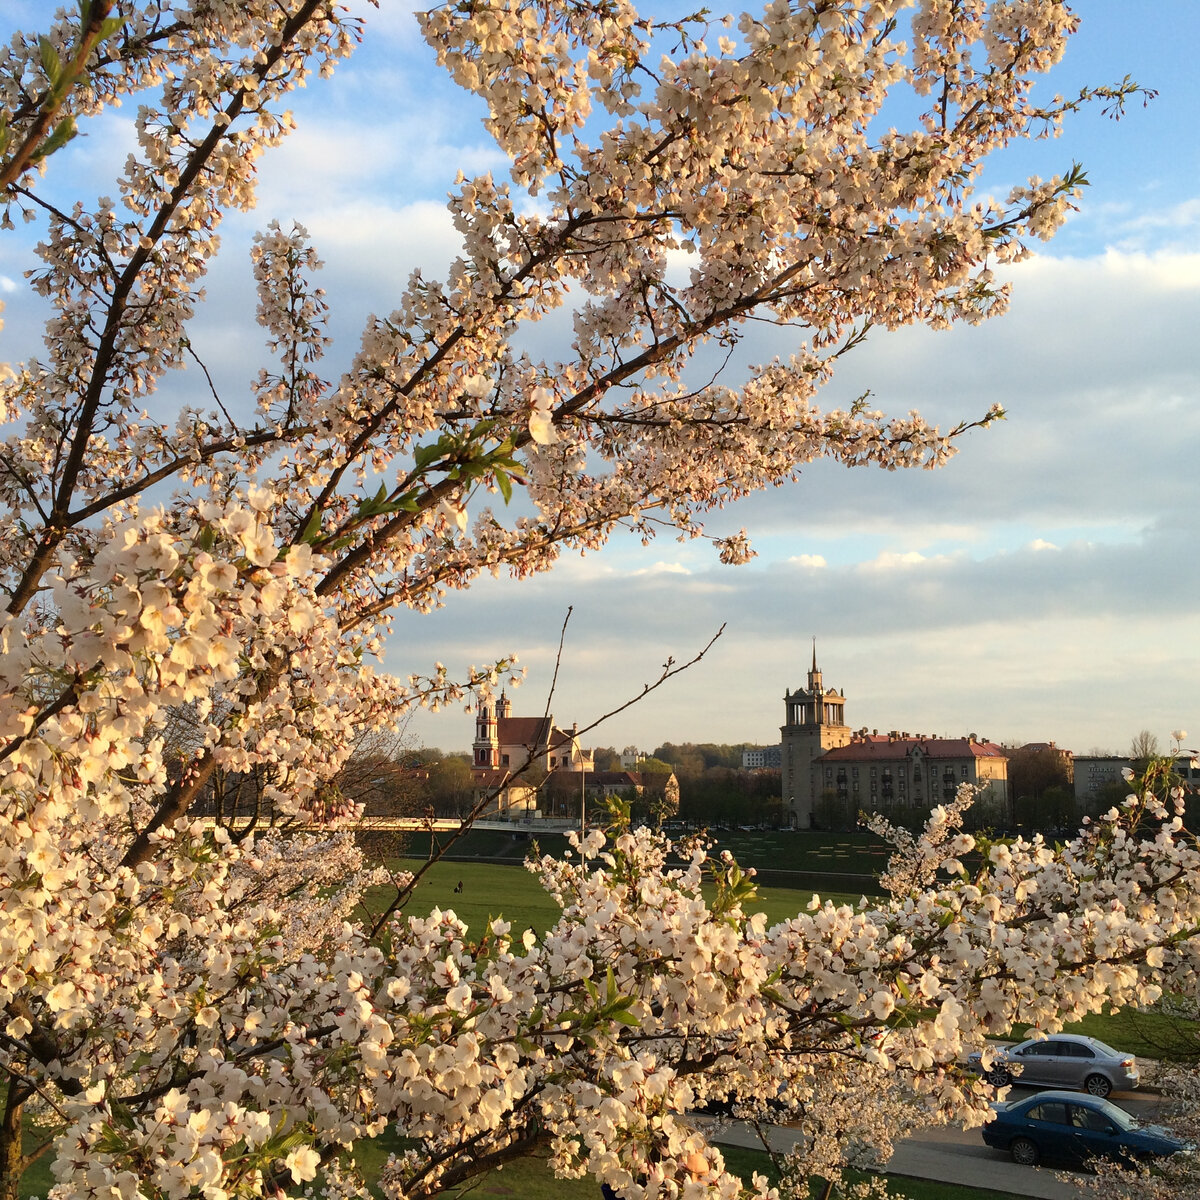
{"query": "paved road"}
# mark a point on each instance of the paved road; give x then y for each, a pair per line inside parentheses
(952, 1155)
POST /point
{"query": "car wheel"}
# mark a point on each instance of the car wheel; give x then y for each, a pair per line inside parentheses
(1097, 1085)
(1024, 1152)
(999, 1078)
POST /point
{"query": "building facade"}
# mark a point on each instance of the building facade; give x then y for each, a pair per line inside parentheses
(904, 777)
(507, 743)
(1093, 772)
(762, 758)
(831, 773)
(511, 756)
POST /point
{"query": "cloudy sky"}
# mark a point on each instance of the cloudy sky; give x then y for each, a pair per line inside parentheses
(1045, 585)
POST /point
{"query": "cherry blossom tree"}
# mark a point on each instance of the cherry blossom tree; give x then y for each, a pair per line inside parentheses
(187, 1013)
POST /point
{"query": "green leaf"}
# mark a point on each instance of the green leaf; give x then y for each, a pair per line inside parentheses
(312, 527)
(424, 455)
(504, 483)
(51, 63)
(64, 131)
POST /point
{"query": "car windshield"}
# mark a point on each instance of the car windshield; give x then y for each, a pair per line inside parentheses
(1104, 1048)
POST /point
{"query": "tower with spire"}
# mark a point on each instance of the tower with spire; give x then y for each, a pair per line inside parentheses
(815, 721)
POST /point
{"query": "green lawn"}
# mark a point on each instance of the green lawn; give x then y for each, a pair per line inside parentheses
(490, 890)
(857, 852)
(477, 891)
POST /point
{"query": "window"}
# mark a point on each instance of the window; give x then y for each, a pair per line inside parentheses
(964, 771)
(1042, 1050)
(504, 760)
(1089, 1118)
(1054, 1111)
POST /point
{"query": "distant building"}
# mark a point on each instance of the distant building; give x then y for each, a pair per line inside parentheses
(1094, 772)
(598, 785)
(507, 743)
(508, 796)
(825, 763)
(1064, 759)
(1187, 767)
(887, 773)
(760, 758)
(512, 755)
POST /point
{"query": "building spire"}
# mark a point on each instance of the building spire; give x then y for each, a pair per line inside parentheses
(814, 666)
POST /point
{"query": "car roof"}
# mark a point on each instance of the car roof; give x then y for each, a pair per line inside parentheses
(1082, 1099)
(1063, 1037)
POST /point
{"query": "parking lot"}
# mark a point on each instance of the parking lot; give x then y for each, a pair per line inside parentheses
(953, 1155)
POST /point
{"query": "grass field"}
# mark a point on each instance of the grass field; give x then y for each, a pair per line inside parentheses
(490, 890)
(860, 856)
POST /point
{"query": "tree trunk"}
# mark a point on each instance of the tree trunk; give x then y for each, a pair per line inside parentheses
(12, 1158)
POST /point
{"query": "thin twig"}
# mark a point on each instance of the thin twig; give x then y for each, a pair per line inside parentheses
(562, 637)
(669, 671)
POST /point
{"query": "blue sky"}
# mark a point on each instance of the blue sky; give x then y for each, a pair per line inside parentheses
(1042, 586)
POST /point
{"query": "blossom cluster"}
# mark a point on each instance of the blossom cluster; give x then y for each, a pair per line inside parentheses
(186, 594)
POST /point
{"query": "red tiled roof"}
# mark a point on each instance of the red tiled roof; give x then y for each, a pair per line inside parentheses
(522, 731)
(611, 778)
(880, 748)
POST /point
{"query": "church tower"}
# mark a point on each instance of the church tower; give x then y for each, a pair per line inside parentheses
(815, 722)
(486, 746)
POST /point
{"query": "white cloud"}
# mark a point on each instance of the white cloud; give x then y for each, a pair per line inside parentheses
(932, 595)
(660, 568)
(891, 560)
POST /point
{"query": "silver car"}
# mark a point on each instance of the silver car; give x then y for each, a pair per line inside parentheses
(1065, 1060)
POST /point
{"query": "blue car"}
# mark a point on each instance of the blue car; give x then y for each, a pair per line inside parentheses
(1072, 1128)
